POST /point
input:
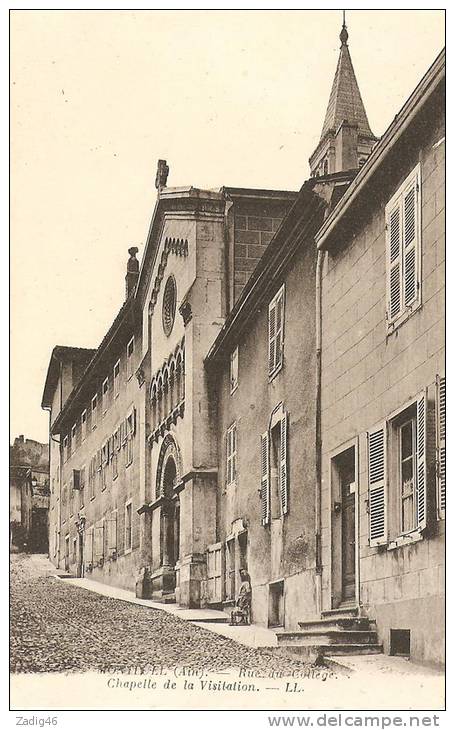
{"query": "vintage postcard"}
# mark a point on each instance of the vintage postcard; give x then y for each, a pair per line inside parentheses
(227, 456)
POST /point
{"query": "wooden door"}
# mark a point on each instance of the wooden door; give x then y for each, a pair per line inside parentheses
(214, 574)
(348, 533)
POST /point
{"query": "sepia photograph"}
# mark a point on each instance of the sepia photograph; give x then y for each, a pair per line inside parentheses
(227, 374)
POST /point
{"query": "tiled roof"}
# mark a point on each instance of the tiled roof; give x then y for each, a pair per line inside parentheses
(345, 102)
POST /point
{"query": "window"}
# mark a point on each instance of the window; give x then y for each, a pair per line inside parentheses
(397, 480)
(169, 305)
(234, 370)
(81, 485)
(74, 550)
(105, 395)
(117, 379)
(441, 445)
(274, 488)
(92, 478)
(129, 358)
(104, 465)
(73, 439)
(128, 526)
(231, 454)
(112, 533)
(65, 449)
(130, 427)
(276, 332)
(403, 250)
(94, 411)
(72, 497)
(83, 425)
(64, 502)
(114, 454)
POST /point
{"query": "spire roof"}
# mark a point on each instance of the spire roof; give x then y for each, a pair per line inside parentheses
(345, 102)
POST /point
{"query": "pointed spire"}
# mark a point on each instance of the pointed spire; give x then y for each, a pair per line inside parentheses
(345, 102)
(346, 137)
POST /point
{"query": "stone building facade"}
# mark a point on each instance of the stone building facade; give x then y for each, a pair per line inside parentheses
(29, 495)
(229, 418)
(383, 382)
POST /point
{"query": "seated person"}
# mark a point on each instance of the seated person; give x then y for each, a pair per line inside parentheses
(241, 615)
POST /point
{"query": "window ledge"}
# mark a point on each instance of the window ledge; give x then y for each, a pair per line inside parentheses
(402, 318)
(407, 539)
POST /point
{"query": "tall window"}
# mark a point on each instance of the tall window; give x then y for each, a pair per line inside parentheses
(128, 526)
(117, 379)
(105, 395)
(231, 454)
(83, 425)
(94, 411)
(397, 480)
(130, 429)
(234, 369)
(81, 486)
(274, 487)
(407, 476)
(403, 227)
(73, 439)
(114, 455)
(129, 358)
(276, 332)
(65, 449)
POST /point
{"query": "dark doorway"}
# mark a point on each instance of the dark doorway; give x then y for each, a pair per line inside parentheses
(400, 642)
(169, 536)
(346, 471)
(39, 542)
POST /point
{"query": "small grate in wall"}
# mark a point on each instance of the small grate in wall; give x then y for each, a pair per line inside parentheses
(400, 642)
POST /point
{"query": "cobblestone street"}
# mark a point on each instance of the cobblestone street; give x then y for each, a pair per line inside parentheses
(56, 627)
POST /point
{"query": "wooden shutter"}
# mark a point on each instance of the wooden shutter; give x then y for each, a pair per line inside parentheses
(410, 238)
(279, 329)
(272, 338)
(421, 487)
(394, 262)
(284, 490)
(441, 444)
(265, 480)
(377, 494)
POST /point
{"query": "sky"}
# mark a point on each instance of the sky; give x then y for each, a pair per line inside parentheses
(226, 97)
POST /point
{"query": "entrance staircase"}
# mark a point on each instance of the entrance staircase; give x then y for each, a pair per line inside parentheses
(339, 632)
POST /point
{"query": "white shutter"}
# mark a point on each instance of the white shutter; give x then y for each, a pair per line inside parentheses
(279, 329)
(284, 490)
(441, 444)
(272, 333)
(421, 491)
(410, 235)
(394, 263)
(228, 457)
(377, 494)
(265, 480)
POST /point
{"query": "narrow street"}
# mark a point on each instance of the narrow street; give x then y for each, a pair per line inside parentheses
(56, 627)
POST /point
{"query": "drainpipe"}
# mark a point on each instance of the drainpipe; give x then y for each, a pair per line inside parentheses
(318, 440)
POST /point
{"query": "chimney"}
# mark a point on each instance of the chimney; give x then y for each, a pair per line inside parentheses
(132, 271)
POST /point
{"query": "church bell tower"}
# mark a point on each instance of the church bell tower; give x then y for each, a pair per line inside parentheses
(346, 138)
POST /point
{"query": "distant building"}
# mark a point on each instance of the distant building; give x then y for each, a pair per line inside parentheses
(29, 495)
(271, 396)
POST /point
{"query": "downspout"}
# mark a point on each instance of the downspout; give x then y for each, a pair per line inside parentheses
(318, 440)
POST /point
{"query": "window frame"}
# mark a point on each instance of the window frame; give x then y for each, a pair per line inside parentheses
(129, 359)
(277, 364)
(398, 198)
(126, 550)
(73, 438)
(116, 379)
(231, 455)
(234, 370)
(105, 396)
(94, 411)
(83, 425)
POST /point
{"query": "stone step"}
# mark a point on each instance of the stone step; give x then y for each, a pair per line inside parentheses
(351, 649)
(339, 623)
(211, 620)
(314, 652)
(326, 636)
